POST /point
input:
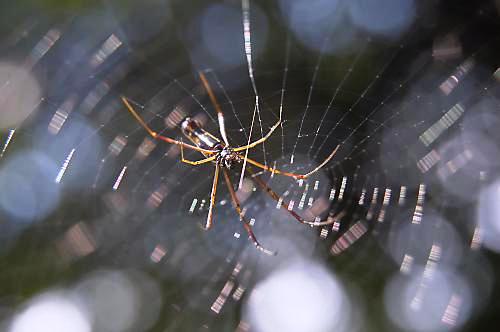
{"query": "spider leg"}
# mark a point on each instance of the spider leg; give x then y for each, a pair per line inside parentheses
(155, 135)
(220, 115)
(198, 162)
(284, 204)
(261, 140)
(237, 206)
(195, 162)
(292, 175)
(208, 223)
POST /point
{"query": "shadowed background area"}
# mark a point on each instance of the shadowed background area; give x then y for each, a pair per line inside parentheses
(101, 224)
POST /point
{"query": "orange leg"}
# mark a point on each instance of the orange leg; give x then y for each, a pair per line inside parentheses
(259, 141)
(220, 115)
(155, 135)
(195, 162)
(246, 225)
(284, 204)
(292, 175)
(208, 224)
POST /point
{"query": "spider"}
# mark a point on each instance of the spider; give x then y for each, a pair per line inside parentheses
(225, 157)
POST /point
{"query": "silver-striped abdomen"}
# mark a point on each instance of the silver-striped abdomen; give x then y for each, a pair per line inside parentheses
(199, 136)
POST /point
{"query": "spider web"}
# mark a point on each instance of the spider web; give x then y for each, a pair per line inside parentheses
(409, 109)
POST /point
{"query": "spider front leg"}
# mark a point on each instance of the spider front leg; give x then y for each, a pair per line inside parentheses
(261, 140)
(220, 114)
(246, 224)
(290, 174)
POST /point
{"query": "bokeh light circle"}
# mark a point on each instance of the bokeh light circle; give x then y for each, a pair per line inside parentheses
(284, 301)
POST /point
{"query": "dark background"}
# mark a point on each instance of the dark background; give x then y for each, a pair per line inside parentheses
(388, 88)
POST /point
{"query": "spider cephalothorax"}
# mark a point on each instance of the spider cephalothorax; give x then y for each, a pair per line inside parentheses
(226, 157)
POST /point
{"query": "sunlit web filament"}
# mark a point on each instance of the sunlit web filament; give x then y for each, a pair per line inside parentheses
(7, 142)
(248, 51)
(64, 166)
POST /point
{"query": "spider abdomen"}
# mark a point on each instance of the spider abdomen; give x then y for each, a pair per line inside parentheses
(199, 136)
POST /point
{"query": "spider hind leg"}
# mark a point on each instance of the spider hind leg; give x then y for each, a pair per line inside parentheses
(246, 224)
